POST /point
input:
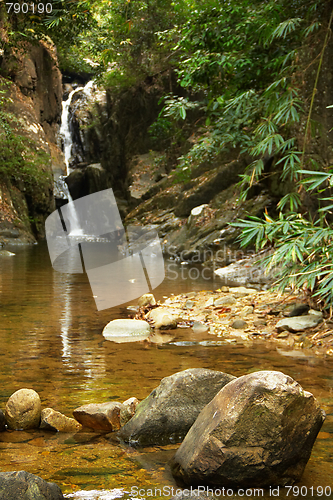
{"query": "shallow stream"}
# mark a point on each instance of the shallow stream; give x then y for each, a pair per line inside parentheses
(51, 341)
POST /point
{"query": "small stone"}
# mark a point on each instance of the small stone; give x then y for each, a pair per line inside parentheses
(146, 300)
(228, 300)
(102, 417)
(199, 327)
(190, 295)
(128, 410)
(242, 291)
(163, 317)
(52, 420)
(189, 304)
(209, 302)
(282, 335)
(246, 310)
(224, 289)
(260, 322)
(316, 313)
(239, 324)
(23, 410)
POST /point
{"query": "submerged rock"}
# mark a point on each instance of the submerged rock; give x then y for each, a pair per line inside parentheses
(298, 323)
(22, 485)
(126, 330)
(258, 431)
(23, 410)
(169, 411)
(53, 420)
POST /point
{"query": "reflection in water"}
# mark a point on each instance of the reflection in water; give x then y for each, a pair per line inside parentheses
(51, 341)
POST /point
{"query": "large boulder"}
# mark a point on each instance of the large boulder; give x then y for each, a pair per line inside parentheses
(23, 410)
(258, 431)
(22, 485)
(169, 411)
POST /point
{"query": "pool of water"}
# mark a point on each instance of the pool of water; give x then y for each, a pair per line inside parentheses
(51, 341)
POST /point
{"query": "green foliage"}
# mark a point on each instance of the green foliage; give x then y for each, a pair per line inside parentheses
(242, 58)
(20, 160)
(303, 252)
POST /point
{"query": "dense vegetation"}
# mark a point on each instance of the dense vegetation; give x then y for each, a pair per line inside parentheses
(244, 68)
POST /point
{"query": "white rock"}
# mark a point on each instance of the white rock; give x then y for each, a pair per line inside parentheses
(126, 330)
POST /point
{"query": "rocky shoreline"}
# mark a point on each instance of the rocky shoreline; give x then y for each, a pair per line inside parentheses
(230, 314)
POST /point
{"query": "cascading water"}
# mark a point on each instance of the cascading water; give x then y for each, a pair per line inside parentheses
(66, 135)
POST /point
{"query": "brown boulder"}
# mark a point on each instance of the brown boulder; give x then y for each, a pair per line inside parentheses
(258, 431)
(101, 417)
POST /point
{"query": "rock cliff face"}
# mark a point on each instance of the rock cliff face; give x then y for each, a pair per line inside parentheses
(30, 102)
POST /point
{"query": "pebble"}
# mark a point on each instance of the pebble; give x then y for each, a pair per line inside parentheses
(229, 300)
(199, 327)
(239, 324)
(189, 304)
(246, 310)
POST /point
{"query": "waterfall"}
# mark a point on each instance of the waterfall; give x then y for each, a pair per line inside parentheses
(65, 132)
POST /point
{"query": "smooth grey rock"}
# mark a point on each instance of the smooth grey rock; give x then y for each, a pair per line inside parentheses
(21, 485)
(298, 323)
(126, 330)
(23, 410)
(101, 417)
(258, 431)
(199, 327)
(169, 411)
(53, 420)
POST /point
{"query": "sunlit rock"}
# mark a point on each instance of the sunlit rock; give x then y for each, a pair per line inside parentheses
(126, 330)
(52, 420)
(163, 317)
(23, 410)
(258, 431)
(146, 300)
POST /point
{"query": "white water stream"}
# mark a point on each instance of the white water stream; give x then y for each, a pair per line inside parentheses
(65, 132)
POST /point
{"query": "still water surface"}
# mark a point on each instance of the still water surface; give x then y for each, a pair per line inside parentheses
(51, 341)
